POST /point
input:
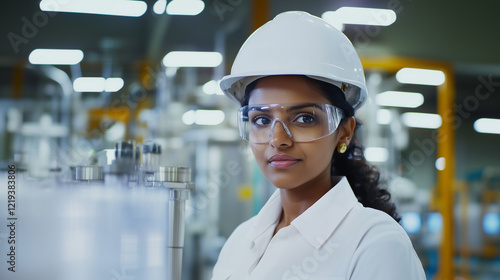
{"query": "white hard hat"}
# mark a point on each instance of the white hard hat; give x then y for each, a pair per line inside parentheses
(297, 43)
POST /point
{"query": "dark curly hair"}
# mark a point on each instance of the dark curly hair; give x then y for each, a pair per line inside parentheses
(363, 177)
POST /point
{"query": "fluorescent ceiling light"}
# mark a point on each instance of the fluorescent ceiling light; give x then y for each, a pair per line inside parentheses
(97, 84)
(203, 117)
(113, 84)
(486, 125)
(440, 163)
(333, 19)
(357, 15)
(192, 59)
(411, 222)
(125, 8)
(420, 76)
(491, 223)
(384, 116)
(376, 154)
(421, 120)
(55, 56)
(212, 87)
(185, 7)
(400, 99)
(434, 222)
(159, 7)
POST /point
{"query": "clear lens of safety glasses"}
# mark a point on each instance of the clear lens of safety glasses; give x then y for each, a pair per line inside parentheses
(302, 122)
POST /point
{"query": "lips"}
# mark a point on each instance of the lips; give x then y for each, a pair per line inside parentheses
(282, 161)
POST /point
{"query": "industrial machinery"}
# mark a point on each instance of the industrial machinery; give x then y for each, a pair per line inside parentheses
(121, 217)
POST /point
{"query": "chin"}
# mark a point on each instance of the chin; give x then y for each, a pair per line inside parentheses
(283, 182)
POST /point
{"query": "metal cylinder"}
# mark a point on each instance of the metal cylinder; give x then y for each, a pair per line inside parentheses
(173, 174)
(88, 173)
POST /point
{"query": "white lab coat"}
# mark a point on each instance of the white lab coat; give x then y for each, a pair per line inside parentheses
(336, 238)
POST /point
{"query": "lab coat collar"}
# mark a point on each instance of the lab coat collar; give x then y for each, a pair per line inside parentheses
(268, 216)
(317, 223)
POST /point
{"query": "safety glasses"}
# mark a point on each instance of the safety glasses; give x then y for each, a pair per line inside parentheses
(302, 122)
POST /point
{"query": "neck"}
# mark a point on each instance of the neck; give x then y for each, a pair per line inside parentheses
(297, 200)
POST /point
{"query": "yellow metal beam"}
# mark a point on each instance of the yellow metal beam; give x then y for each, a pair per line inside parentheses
(445, 146)
(260, 13)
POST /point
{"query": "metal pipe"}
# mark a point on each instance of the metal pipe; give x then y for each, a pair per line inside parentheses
(177, 206)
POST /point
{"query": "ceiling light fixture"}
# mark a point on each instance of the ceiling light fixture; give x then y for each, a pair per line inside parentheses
(400, 99)
(55, 56)
(212, 87)
(420, 76)
(422, 120)
(487, 125)
(97, 84)
(203, 117)
(440, 163)
(192, 59)
(159, 7)
(125, 8)
(358, 15)
(376, 154)
(185, 7)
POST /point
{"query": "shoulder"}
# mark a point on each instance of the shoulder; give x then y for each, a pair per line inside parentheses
(384, 250)
(235, 244)
(240, 233)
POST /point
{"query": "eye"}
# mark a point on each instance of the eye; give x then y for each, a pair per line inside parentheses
(305, 119)
(260, 120)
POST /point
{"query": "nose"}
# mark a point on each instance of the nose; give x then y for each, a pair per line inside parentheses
(280, 135)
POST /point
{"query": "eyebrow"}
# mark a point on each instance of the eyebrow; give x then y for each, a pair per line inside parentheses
(305, 105)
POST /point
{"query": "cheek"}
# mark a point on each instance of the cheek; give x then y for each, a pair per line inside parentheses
(320, 154)
(258, 151)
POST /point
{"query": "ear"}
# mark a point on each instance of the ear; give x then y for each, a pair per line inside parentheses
(346, 130)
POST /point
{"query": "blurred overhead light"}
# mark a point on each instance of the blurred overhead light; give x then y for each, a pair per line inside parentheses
(485, 125)
(421, 120)
(203, 117)
(192, 59)
(159, 7)
(411, 222)
(400, 99)
(420, 76)
(185, 7)
(440, 163)
(434, 222)
(357, 15)
(113, 84)
(125, 8)
(212, 87)
(376, 154)
(384, 116)
(333, 19)
(55, 56)
(97, 84)
(491, 223)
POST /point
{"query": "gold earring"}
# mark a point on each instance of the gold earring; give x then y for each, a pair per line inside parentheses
(342, 148)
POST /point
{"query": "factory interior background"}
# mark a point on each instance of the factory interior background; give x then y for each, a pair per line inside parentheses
(98, 166)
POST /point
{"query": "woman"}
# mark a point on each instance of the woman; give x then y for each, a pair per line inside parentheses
(299, 82)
